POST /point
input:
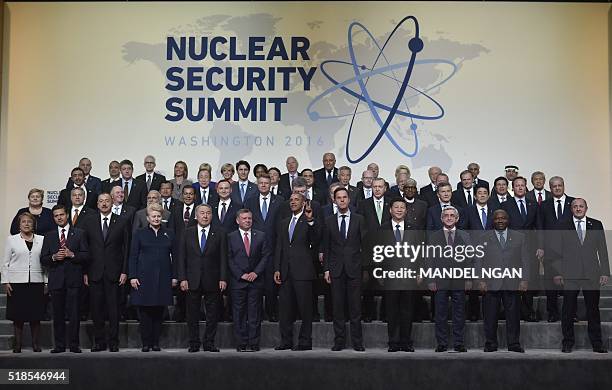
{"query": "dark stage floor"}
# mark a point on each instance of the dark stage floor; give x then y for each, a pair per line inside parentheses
(323, 369)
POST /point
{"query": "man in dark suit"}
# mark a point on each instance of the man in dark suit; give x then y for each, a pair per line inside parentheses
(397, 190)
(64, 253)
(167, 201)
(431, 188)
(500, 193)
(135, 191)
(463, 197)
(399, 293)
(375, 211)
(474, 169)
(326, 175)
(504, 249)
(202, 271)
(583, 265)
(444, 191)
(320, 287)
(248, 253)
(480, 215)
(183, 214)
(150, 178)
(443, 288)
(119, 207)
(344, 178)
(364, 191)
(265, 209)
(114, 172)
(77, 177)
(554, 215)
(243, 188)
(479, 218)
(312, 192)
(522, 216)
(275, 188)
(343, 260)
(286, 179)
(203, 192)
(91, 182)
(539, 194)
(108, 240)
(224, 212)
(77, 210)
(181, 217)
(294, 271)
(431, 197)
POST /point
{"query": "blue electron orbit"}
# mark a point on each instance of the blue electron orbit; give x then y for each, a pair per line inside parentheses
(362, 75)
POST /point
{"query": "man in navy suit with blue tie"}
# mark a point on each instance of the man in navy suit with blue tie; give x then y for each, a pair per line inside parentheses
(248, 253)
(243, 188)
(345, 233)
(522, 215)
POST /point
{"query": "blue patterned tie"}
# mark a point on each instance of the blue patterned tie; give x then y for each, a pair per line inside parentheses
(483, 217)
(502, 240)
(264, 208)
(579, 231)
(398, 234)
(242, 191)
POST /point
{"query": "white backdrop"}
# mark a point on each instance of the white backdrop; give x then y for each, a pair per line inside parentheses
(530, 88)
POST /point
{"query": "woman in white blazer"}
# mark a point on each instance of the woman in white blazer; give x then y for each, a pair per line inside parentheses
(24, 280)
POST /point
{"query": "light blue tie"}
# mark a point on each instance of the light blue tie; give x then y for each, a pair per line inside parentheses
(292, 228)
(264, 208)
(242, 191)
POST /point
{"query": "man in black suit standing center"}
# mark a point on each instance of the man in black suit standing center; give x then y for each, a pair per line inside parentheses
(345, 233)
(202, 270)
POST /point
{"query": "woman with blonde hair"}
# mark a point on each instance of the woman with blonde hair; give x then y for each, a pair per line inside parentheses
(44, 216)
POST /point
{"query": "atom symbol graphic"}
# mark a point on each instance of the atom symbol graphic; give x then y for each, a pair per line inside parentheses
(362, 75)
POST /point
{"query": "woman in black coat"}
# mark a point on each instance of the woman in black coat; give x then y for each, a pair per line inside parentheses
(151, 275)
(44, 217)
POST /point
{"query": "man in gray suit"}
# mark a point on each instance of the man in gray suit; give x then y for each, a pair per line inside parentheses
(507, 250)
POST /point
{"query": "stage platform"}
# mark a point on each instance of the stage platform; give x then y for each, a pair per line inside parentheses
(322, 369)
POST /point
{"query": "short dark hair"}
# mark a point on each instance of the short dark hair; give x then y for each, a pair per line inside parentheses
(59, 207)
(126, 162)
(396, 200)
(340, 189)
(243, 162)
(76, 169)
(167, 182)
(306, 170)
(257, 166)
(274, 169)
(500, 178)
(520, 178)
